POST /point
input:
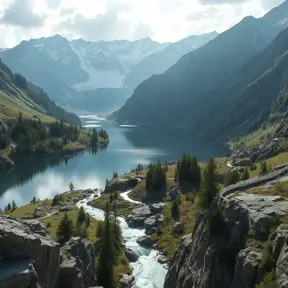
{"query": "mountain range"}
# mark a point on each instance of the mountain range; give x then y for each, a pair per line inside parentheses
(94, 76)
(223, 88)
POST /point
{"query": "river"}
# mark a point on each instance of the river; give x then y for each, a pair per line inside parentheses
(147, 271)
(128, 146)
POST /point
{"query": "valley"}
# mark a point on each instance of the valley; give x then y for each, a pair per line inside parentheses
(141, 163)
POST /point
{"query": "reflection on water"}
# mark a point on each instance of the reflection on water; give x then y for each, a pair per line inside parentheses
(43, 178)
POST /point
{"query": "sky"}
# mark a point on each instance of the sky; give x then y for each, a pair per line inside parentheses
(161, 20)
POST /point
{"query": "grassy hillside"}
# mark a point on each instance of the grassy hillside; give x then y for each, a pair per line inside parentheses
(18, 95)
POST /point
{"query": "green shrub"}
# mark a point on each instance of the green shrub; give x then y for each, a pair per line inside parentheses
(81, 231)
(268, 261)
(269, 281)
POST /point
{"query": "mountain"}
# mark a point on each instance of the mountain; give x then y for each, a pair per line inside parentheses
(158, 63)
(65, 68)
(18, 95)
(258, 94)
(181, 96)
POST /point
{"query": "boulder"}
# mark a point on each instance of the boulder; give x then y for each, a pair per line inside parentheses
(66, 207)
(151, 223)
(131, 255)
(157, 208)
(162, 259)
(78, 264)
(126, 281)
(178, 229)
(145, 240)
(138, 216)
(120, 184)
(19, 246)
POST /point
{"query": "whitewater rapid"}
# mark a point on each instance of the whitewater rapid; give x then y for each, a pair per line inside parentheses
(147, 271)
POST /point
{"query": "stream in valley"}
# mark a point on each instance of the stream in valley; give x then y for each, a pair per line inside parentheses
(147, 271)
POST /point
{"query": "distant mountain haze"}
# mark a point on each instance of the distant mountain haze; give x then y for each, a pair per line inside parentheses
(159, 62)
(82, 73)
(193, 91)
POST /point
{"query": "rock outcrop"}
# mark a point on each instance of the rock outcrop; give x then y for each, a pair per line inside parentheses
(120, 184)
(230, 254)
(126, 281)
(28, 257)
(148, 217)
(78, 264)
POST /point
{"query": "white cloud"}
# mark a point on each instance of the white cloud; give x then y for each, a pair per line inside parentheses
(163, 20)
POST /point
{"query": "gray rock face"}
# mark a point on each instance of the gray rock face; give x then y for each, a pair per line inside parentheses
(19, 243)
(243, 162)
(145, 240)
(120, 185)
(127, 281)
(131, 255)
(178, 229)
(255, 182)
(174, 192)
(162, 259)
(228, 260)
(37, 227)
(78, 264)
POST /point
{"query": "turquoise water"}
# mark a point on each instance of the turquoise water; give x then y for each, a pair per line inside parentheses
(128, 146)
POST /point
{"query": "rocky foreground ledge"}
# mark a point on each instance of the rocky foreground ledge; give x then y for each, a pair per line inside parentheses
(250, 241)
(29, 258)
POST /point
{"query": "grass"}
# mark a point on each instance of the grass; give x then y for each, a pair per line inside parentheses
(273, 162)
(73, 214)
(123, 207)
(252, 139)
(138, 193)
(279, 189)
(28, 210)
(188, 214)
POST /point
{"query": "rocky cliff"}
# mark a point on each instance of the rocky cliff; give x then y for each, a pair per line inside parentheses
(240, 241)
(29, 258)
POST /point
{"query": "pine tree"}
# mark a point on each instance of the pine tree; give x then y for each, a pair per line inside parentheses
(34, 200)
(81, 216)
(9, 207)
(263, 168)
(65, 229)
(209, 185)
(100, 229)
(175, 213)
(245, 174)
(188, 171)
(87, 222)
(107, 255)
(71, 186)
(81, 231)
(115, 175)
(13, 205)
